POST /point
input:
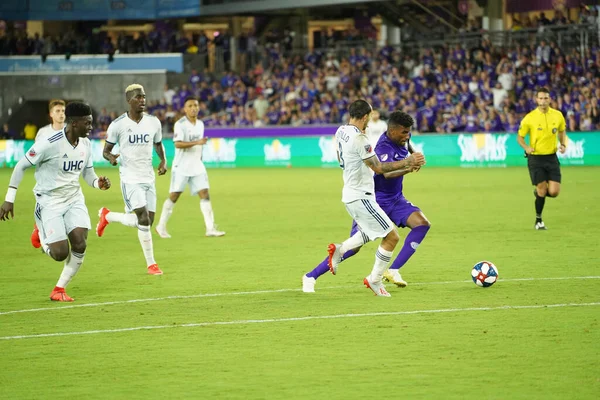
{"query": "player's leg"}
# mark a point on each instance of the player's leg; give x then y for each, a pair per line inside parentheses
(176, 187)
(53, 233)
(554, 177)
(539, 178)
(78, 240)
(308, 280)
(145, 217)
(405, 214)
(357, 239)
(199, 184)
(35, 235)
(374, 223)
(133, 197)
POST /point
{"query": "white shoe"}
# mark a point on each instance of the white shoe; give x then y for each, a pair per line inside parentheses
(335, 257)
(539, 226)
(377, 287)
(214, 232)
(393, 276)
(308, 284)
(162, 232)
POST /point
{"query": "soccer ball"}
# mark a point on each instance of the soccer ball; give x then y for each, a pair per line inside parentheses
(484, 274)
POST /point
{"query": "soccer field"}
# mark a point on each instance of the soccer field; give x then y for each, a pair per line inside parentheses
(229, 320)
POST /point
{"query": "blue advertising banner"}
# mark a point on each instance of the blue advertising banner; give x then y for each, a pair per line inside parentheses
(95, 10)
(93, 63)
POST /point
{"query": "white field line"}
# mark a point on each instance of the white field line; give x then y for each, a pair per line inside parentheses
(197, 296)
(295, 319)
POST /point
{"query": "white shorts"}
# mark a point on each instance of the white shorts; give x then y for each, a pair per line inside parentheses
(56, 222)
(370, 218)
(196, 182)
(138, 195)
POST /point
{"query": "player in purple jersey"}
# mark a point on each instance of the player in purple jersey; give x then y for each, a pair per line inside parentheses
(392, 146)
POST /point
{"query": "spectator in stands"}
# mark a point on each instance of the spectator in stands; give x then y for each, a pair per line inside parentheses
(29, 131)
(7, 133)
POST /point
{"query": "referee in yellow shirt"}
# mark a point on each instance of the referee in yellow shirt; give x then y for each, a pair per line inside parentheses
(545, 127)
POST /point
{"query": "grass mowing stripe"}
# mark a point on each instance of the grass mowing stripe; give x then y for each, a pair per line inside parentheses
(295, 319)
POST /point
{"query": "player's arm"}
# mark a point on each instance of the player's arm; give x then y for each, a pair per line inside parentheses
(111, 139)
(159, 148)
(414, 169)
(181, 141)
(7, 209)
(414, 160)
(522, 132)
(95, 181)
(562, 135)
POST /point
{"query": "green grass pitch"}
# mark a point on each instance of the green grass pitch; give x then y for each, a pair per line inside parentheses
(229, 320)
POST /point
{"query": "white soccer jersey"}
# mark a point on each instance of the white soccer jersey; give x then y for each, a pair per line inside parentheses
(58, 168)
(353, 148)
(188, 162)
(47, 131)
(136, 143)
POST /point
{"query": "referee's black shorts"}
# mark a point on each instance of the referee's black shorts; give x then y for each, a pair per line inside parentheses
(543, 168)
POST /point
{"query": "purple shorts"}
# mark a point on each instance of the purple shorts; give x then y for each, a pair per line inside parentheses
(399, 211)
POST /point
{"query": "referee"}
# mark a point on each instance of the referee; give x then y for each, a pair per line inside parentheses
(543, 125)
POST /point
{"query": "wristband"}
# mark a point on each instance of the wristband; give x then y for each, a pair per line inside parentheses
(96, 183)
(11, 194)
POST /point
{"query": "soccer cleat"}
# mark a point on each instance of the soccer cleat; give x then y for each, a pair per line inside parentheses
(308, 284)
(376, 287)
(539, 226)
(35, 237)
(102, 222)
(214, 232)
(162, 232)
(393, 276)
(154, 270)
(335, 257)
(60, 295)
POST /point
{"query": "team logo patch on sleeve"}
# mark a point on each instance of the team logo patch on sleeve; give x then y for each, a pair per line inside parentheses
(368, 148)
(384, 157)
(31, 153)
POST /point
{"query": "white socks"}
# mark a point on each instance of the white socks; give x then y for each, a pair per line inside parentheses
(125, 219)
(167, 210)
(207, 211)
(72, 265)
(353, 242)
(145, 237)
(382, 259)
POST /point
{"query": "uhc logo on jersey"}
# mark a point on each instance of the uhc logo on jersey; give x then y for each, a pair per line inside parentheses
(139, 139)
(72, 165)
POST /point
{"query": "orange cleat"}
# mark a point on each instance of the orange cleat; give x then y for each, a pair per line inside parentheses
(35, 237)
(154, 270)
(58, 294)
(102, 222)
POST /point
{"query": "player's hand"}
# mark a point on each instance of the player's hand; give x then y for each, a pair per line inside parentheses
(103, 183)
(112, 158)
(416, 159)
(562, 148)
(202, 141)
(415, 169)
(6, 211)
(162, 168)
(529, 150)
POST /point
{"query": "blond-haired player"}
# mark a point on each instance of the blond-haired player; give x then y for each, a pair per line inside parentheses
(136, 133)
(188, 169)
(56, 110)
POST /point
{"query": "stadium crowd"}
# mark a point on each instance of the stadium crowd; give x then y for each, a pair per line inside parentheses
(484, 88)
